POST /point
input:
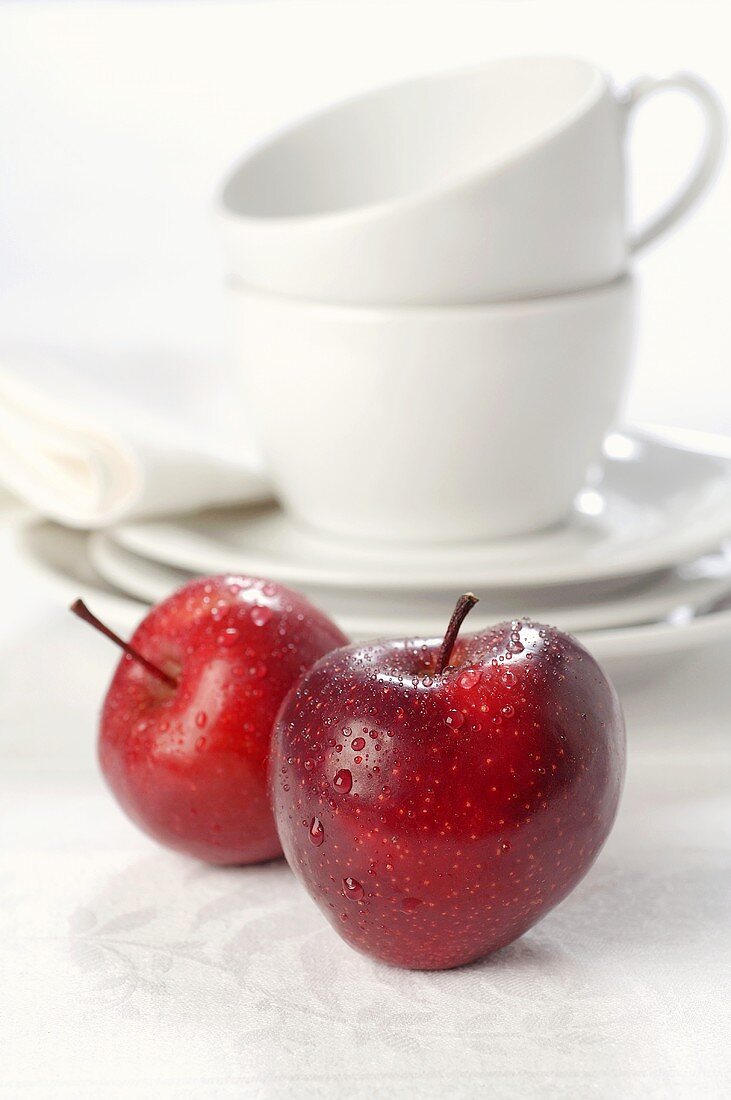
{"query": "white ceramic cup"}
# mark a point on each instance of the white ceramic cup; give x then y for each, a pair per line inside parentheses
(501, 182)
(433, 424)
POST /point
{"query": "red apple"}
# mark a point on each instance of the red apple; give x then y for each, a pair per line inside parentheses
(187, 721)
(437, 799)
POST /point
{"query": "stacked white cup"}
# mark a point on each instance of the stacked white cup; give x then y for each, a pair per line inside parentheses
(433, 297)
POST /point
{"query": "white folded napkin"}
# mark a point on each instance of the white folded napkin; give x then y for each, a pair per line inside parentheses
(89, 458)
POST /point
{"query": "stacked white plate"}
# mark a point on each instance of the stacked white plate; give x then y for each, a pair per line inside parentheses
(639, 570)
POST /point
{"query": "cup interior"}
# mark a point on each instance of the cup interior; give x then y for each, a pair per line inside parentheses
(410, 138)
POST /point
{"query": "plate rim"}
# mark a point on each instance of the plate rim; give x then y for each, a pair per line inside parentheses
(647, 640)
(652, 606)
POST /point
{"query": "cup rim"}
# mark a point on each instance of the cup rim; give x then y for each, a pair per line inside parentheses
(598, 83)
(621, 284)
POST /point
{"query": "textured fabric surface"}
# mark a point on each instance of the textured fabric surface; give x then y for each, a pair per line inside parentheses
(130, 971)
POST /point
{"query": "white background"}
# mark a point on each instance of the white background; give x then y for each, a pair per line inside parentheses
(116, 122)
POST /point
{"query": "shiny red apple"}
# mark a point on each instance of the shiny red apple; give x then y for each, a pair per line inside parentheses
(437, 799)
(186, 725)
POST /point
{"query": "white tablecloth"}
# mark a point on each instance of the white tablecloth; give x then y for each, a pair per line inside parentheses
(127, 971)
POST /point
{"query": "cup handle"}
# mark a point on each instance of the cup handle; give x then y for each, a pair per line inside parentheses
(708, 160)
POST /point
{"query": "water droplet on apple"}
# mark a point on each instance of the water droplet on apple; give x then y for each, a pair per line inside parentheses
(455, 719)
(200, 719)
(228, 637)
(343, 781)
(260, 616)
(508, 711)
(469, 679)
(410, 905)
(317, 832)
(352, 889)
(505, 845)
(358, 743)
(258, 670)
(200, 744)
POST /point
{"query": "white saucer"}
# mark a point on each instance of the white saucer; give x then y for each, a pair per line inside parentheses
(693, 586)
(60, 557)
(661, 498)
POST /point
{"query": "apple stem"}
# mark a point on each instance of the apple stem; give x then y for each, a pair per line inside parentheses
(79, 608)
(462, 609)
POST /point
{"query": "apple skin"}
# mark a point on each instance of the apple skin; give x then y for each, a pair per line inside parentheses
(435, 817)
(188, 765)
